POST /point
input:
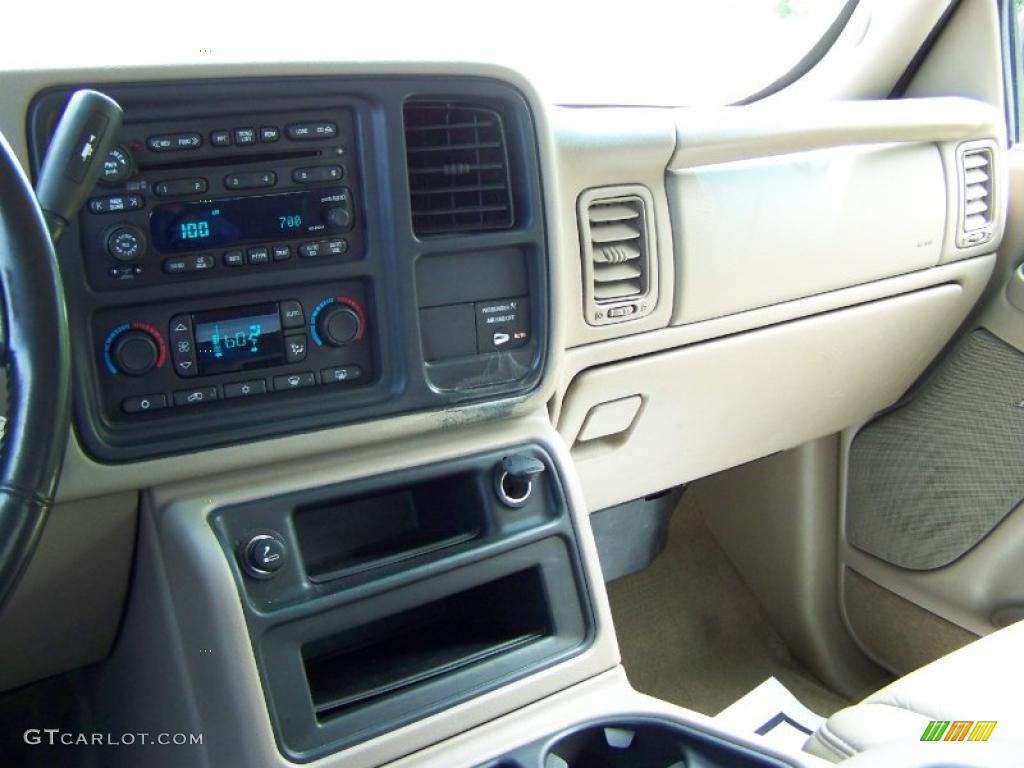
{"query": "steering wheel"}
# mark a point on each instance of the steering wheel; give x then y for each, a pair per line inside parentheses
(37, 360)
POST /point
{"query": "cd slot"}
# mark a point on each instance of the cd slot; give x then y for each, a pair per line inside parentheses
(231, 160)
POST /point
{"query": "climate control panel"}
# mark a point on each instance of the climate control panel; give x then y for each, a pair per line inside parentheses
(157, 359)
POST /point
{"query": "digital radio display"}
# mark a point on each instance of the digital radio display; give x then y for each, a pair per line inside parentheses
(238, 339)
(221, 223)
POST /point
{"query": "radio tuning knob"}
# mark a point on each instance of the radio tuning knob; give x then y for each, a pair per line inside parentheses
(339, 325)
(135, 353)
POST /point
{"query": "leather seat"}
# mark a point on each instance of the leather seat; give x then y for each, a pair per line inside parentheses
(982, 681)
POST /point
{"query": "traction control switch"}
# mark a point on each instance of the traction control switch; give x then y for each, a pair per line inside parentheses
(514, 478)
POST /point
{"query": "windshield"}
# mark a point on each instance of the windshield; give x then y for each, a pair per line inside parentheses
(665, 52)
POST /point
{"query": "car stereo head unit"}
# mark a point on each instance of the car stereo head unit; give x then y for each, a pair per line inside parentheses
(190, 200)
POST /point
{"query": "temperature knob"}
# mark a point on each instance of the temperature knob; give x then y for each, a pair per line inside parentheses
(339, 325)
(126, 243)
(135, 352)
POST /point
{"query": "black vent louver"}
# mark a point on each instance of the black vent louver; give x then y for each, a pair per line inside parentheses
(458, 168)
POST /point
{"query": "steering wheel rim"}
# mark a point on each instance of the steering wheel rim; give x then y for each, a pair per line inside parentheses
(37, 360)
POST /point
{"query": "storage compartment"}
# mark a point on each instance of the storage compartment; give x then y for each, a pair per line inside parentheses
(650, 744)
(412, 647)
(346, 536)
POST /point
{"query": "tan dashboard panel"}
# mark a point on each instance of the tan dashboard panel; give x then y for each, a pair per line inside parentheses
(715, 405)
(758, 232)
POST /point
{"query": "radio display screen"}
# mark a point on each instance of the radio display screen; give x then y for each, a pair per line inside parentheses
(221, 223)
(238, 339)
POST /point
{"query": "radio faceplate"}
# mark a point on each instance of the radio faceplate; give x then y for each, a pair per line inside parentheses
(154, 358)
(207, 197)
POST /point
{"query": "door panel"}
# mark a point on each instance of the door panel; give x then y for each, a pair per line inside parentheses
(933, 518)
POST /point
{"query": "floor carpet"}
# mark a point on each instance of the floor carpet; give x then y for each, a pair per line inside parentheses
(691, 632)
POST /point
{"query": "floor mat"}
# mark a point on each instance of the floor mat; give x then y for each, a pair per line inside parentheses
(690, 631)
(773, 713)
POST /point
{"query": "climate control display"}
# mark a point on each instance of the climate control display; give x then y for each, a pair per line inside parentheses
(238, 339)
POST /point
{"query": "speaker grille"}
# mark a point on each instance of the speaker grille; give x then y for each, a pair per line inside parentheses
(930, 480)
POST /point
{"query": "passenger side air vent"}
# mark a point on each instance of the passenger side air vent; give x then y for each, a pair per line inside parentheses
(617, 243)
(977, 195)
(458, 168)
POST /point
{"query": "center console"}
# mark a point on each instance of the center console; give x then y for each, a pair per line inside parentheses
(265, 257)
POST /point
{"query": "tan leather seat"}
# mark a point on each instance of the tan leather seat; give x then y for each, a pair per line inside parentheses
(981, 681)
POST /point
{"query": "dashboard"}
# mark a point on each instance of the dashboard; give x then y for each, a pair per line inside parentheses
(280, 255)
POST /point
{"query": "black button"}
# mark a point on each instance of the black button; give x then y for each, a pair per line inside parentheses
(183, 353)
(195, 396)
(221, 138)
(263, 555)
(174, 142)
(340, 217)
(336, 247)
(125, 271)
(317, 174)
(126, 243)
(234, 258)
(180, 187)
(269, 134)
(176, 266)
(201, 263)
(294, 381)
(295, 348)
(245, 388)
(251, 180)
(341, 374)
(144, 403)
(245, 136)
(282, 252)
(308, 250)
(260, 255)
(318, 130)
(292, 315)
(115, 204)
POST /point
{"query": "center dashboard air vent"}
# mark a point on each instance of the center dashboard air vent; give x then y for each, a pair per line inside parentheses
(618, 248)
(976, 223)
(458, 165)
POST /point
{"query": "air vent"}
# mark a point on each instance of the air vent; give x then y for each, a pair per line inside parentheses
(617, 245)
(977, 195)
(458, 168)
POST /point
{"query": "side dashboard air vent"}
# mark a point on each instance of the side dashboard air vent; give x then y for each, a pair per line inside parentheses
(458, 165)
(976, 167)
(617, 244)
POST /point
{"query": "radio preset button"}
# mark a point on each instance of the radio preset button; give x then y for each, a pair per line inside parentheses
(269, 134)
(260, 255)
(316, 130)
(244, 136)
(195, 396)
(144, 403)
(295, 347)
(294, 381)
(174, 142)
(115, 203)
(292, 315)
(180, 187)
(245, 388)
(282, 252)
(341, 374)
(234, 258)
(250, 180)
(317, 174)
